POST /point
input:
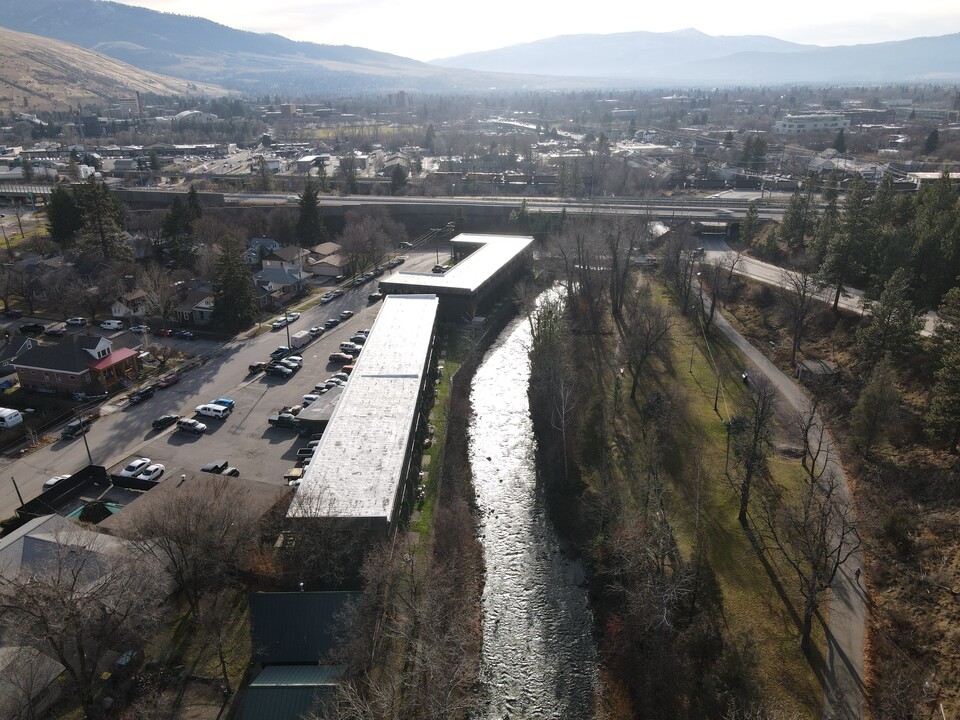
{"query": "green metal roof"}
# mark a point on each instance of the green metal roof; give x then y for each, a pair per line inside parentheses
(298, 675)
(296, 627)
(288, 692)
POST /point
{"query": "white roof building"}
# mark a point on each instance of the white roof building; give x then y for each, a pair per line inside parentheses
(364, 454)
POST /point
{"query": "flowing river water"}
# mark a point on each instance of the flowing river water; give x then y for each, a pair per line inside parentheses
(539, 659)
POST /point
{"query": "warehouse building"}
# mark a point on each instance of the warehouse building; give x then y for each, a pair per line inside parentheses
(486, 266)
(362, 474)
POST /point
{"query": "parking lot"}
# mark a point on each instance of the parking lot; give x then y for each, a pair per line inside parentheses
(245, 438)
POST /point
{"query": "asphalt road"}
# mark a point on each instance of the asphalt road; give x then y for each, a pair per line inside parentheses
(245, 439)
(852, 300)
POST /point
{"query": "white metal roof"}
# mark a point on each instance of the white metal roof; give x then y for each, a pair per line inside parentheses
(359, 461)
(493, 252)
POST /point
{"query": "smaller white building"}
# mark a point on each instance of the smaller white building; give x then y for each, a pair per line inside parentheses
(816, 122)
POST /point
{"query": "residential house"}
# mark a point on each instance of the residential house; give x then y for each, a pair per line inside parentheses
(277, 286)
(132, 304)
(329, 266)
(324, 249)
(78, 363)
(196, 308)
(258, 248)
(28, 682)
(287, 258)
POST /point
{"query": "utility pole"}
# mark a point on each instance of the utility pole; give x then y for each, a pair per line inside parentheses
(19, 496)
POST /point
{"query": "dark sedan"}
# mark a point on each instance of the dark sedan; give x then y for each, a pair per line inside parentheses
(32, 329)
(164, 421)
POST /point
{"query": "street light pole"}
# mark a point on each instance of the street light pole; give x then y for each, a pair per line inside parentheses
(286, 324)
(19, 496)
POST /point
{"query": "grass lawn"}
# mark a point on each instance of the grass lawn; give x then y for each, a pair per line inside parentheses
(760, 598)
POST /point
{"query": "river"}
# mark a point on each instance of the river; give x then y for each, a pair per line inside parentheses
(539, 659)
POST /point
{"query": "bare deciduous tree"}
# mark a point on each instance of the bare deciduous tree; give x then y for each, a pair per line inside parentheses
(646, 331)
(57, 288)
(815, 537)
(83, 600)
(802, 288)
(753, 444)
(163, 292)
(201, 533)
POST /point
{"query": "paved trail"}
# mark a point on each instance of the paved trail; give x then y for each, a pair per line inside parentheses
(843, 671)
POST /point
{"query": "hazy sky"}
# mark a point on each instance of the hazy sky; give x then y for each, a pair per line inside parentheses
(429, 29)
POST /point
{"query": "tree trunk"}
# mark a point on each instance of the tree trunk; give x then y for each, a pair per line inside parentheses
(744, 498)
(836, 298)
(808, 609)
(636, 381)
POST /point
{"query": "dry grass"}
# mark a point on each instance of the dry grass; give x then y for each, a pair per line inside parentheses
(760, 597)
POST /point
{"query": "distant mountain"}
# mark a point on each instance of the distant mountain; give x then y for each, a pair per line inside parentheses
(620, 55)
(52, 75)
(201, 50)
(691, 57)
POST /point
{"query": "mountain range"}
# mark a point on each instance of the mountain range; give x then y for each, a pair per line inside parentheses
(692, 57)
(200, 50)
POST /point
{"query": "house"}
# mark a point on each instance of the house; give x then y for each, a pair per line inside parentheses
(28, 684)
(78, 363)
(329, 266)
(287, 258)
(277, 286)
(132, 304)
(196, 308)
(258, 248)
(324, 249)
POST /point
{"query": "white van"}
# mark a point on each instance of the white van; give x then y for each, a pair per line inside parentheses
(10, 418)
(111, 325)
(215, 411)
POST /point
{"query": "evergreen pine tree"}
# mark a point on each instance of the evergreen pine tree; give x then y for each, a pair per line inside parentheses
(234, 302)
(310, 229)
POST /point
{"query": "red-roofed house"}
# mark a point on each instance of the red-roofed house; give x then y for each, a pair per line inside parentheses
(79, 363)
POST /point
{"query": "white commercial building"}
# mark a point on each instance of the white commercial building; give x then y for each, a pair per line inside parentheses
(817, 122)
(362, 462)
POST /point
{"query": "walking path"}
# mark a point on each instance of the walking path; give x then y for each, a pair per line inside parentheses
(843, 662)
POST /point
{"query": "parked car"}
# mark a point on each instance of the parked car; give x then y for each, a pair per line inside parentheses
(281, 352)
(278, 324)
(215, 411)
(280, 371)
(257, 367)
(340, 376)
(53, 482)
(32, 329)
(292, 366)
(192, 426)
(439, 269)
(76, 427)
(55, 331)
(292, 316)
(331, 323)
(346, 314)
(139, 329)
(135, 467)
(142, 394)
(358, 339)
(185, 334)
(14, 315)
(163, 332)
(294, 360)
(337, 292)
(77, 322)
(164, 421)
(111, 325)
(224, 401)
(374, 297)
(168, 380)
(220, 467)
(326, 297)
(309, 399)
(152, 472)
(317, 331)
(339, 357)
(405, 245)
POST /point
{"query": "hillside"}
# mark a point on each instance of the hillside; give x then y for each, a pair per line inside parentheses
(204, 51)
(692, 57)
(53, 75)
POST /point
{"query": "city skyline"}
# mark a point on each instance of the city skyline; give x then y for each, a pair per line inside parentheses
(427, 30)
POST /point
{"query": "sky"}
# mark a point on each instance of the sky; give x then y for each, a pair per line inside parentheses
(431, 29)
